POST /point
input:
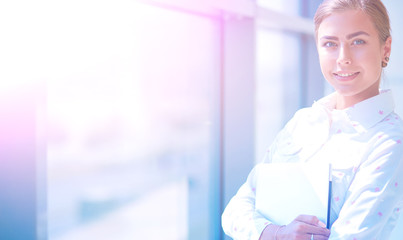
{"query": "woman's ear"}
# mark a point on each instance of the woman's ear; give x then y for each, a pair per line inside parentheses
(387, 47)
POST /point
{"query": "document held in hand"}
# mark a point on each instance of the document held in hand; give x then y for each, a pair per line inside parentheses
(286, 190)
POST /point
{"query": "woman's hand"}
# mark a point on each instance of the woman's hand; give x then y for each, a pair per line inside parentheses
(302, 228)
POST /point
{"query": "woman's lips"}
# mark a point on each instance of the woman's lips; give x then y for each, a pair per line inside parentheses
(343, 76)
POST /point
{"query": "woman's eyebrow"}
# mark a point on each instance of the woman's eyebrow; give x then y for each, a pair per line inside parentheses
(352, 35)
(330, 38)
(349, 36)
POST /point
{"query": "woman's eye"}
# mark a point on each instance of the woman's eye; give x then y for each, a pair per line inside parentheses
(329, 44)
(358, 42)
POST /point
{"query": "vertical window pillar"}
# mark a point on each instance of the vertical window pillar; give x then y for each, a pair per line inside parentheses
(238, 103)
(18, 170)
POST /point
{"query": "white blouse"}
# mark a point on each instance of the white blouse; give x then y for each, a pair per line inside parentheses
(364, 145)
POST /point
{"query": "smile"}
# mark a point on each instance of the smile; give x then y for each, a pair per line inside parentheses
(345, 76)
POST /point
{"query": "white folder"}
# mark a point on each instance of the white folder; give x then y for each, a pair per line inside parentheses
(286, 190)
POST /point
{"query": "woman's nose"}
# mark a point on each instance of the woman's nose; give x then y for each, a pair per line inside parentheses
(344, 56)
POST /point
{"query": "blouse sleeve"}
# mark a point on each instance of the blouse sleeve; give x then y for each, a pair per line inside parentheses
(240, 220)
(374, 195)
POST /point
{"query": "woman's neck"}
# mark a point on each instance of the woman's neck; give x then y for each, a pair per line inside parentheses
(343, 101)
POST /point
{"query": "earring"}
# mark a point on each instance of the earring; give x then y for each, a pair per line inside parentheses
(385, 63)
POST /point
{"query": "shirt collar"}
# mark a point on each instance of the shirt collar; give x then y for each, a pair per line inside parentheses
(364, 114)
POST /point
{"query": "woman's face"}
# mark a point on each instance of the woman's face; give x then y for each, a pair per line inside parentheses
(351, 55)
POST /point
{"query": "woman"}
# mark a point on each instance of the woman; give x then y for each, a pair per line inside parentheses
(355, 129)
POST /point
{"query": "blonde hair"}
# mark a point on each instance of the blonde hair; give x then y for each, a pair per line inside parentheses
(374, 8)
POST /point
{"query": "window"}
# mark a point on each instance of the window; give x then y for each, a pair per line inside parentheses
(278, 85)
(291, 7)
(132, 123)
(288, 76)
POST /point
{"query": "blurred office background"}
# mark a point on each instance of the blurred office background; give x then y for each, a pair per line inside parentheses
(156, 110)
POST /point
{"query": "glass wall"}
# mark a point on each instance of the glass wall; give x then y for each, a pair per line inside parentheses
(278, 84)
(291, 7)
(132, 118)
(288, 73)
(393, 74)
